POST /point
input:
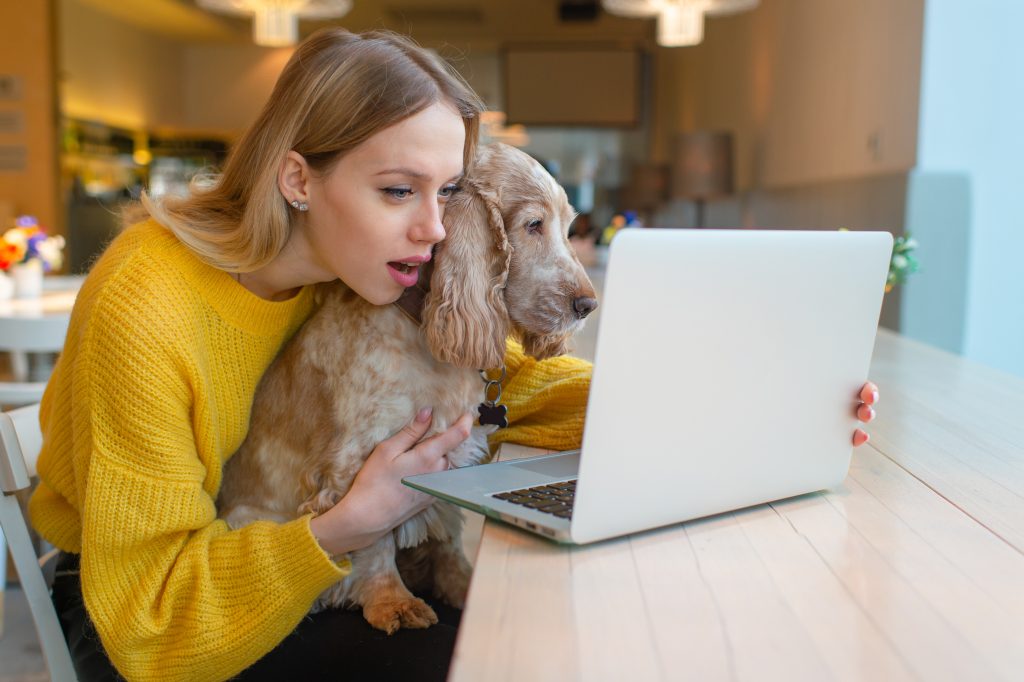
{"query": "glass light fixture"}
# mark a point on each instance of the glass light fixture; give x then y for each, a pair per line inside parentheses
(715, 8)
(276, 22)
(634, 9)
(643, 9)
(680, 24)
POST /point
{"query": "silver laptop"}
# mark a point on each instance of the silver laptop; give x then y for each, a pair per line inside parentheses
(727, 372)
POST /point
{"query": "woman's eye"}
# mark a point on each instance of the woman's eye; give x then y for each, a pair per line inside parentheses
(398, 192)
(534, 225)
(447, 191)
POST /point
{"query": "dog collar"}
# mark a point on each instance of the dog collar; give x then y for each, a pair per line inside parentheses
(492, 411)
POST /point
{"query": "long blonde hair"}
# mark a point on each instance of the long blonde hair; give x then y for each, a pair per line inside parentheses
(337, 90)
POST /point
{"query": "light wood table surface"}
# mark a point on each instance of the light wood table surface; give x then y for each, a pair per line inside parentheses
(912, 569)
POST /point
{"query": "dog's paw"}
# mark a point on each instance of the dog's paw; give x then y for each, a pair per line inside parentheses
(406, 613)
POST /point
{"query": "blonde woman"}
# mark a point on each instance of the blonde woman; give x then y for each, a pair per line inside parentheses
(344, 175)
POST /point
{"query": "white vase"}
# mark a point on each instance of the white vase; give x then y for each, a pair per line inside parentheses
(6, 286)
(28, 279)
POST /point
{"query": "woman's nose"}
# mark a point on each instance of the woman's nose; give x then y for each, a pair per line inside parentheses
(429, 227)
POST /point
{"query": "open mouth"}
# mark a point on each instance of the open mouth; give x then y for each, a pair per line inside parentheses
(406, 274)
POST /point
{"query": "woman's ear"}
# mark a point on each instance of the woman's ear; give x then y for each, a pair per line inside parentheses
(293, 177)
(465, 321)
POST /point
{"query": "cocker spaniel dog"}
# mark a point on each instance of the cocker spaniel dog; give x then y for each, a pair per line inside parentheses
(356, 373)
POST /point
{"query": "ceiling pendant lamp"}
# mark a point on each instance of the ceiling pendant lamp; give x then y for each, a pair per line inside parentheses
(275, 23)
(642, 9)
(717, 8)
(677, 19)
(634, 9)
(680, 24)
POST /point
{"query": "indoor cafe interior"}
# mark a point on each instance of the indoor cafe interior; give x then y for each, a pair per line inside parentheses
(900, 116)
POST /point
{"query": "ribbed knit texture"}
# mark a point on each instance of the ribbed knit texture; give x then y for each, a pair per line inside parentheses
(546, 400)
(149, 398)
(151, 394)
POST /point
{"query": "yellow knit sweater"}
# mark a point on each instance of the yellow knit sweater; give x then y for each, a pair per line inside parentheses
(149, 398)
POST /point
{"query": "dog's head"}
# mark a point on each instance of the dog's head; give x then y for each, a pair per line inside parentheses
(505, 266)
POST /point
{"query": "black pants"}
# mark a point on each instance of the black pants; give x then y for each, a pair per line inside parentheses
(332, 644)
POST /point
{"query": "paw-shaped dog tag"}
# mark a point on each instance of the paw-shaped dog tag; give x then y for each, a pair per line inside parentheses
(493, 414)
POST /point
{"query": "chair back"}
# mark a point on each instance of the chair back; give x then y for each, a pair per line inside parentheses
(23, 334)
(20, 442)
(44, 334)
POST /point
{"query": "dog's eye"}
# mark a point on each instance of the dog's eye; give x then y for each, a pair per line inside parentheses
(534, 226)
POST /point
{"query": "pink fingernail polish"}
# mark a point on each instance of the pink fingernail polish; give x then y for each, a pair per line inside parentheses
(874, 396)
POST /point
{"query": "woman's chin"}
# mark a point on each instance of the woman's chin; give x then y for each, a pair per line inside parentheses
(383, 296)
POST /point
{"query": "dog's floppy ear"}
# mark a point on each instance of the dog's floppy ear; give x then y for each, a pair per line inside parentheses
(465, 321)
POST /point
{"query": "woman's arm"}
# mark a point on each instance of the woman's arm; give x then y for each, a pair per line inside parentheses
(378, 501)
(173, 592)
(546, 399)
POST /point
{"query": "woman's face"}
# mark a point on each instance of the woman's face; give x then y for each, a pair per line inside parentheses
(374, 218)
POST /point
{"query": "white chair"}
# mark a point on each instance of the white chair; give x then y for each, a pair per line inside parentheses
(20, 336)
(20, 442)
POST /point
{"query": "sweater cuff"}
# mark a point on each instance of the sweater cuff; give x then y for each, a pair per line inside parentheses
(331, 569)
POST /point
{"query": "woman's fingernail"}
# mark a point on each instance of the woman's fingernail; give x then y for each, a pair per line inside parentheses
(874, 396)
(424, 414)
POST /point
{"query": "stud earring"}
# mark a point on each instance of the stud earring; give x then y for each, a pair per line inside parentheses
(299, 205)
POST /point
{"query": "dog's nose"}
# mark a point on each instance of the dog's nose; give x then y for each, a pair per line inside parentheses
(583, 306)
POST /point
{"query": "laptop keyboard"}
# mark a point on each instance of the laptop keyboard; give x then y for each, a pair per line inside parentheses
(555, 498)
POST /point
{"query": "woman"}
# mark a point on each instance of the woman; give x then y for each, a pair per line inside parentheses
(344, 175)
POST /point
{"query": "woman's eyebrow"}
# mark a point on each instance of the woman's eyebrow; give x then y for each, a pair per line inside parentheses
(403, 171)
(409, 172)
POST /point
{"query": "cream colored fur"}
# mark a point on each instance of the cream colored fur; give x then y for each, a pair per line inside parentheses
(356, 373)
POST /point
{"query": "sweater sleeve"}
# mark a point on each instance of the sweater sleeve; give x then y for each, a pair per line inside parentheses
(546, 399)
(173, 592)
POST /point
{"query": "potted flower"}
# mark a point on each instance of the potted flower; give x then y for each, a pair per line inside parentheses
(26, 252)
(903, 263)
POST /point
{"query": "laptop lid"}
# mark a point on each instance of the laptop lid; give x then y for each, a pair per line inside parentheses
(727, 371)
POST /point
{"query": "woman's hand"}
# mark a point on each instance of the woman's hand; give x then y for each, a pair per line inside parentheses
(378, 501)
(865, 411)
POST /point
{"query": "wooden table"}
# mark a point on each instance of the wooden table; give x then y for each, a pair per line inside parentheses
(912, 569)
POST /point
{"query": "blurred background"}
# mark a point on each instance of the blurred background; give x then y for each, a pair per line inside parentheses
(898, 115)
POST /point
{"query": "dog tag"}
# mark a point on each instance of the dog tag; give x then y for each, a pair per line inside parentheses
(493, 414)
